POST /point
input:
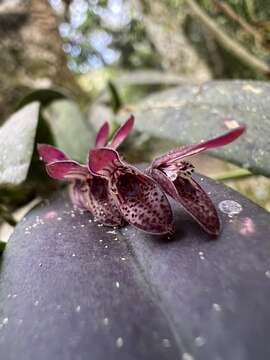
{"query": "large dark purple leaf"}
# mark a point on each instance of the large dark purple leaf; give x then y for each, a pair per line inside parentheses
(70, 289)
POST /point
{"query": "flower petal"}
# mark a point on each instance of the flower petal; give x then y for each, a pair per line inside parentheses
(102, 161)
(102, 204)
(77, 193)
(93, 195)
(165, 183)
(189, 150)
(193, 198)
(102, 135)
(138, 197)
(122, 133)
(50, 153)
(68, 169)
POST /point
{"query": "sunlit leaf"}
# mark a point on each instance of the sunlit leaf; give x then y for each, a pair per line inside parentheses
(17, 137)
(44, 96)
(69, 128)
(191, 113)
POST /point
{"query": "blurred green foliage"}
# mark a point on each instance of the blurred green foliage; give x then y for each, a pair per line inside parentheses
(114, 33)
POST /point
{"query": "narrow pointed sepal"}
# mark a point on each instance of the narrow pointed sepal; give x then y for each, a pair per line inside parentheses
(49, 153)
(189, 150)
(102, 135)
(122, 133)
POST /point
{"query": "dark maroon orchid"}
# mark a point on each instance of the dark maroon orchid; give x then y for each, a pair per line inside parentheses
(138, 197)
(142, 202)
(175, 177)
(116, 192)
(87, 191)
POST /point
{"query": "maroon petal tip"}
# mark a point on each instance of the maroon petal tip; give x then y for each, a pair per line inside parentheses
(49, 153)
(122, 133)
(189, 150)
(102, 135)
(99, 159)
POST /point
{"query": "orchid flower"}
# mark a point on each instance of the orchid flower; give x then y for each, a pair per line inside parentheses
(87, 191)
(175, 177)
(140, 200)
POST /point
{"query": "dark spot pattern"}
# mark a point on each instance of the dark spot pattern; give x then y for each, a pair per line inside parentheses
(197, 203)
(142, 202)
(93, 195)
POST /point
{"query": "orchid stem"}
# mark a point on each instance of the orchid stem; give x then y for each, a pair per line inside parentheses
(233, 175)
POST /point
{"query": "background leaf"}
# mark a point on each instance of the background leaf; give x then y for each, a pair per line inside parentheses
(70, 130)
(190, 113)
(2, 246)
(17, 137)
(43, 96)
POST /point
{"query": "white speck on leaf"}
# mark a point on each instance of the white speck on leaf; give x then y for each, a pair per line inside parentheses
(166, 343)
(230, 207)
(187, 356)
(119, 342)
(216, 307)
(5, 321)
(199, 341)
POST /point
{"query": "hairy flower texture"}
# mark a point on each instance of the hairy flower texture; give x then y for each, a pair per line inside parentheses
(175, 177)
(87, 191)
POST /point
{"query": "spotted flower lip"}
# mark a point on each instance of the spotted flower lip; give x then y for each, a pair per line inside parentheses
(140, 200)
(87, 191)
(175, 177)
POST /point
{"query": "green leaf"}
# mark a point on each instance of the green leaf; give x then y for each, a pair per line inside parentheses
(44, 96)
(116, 102)
(17, 137)
(190, 113)
(69, 128)
(2, 246)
